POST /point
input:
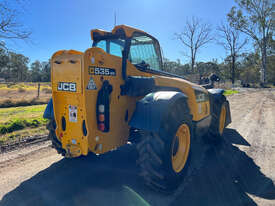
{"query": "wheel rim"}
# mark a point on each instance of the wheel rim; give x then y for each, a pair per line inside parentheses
(222, 119)
(180, 148)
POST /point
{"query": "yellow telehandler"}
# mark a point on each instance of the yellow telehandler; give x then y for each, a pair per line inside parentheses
(117, 92)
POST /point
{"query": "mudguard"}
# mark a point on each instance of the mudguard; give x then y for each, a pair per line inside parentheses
(49, 113)
(216, 97)
(153, 109)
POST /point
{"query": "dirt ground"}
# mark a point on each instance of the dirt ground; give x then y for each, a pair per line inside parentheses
(238, 172)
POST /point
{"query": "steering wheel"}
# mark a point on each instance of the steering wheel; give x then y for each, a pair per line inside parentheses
(143, 64)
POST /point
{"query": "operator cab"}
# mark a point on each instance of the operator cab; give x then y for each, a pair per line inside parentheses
(136, 46)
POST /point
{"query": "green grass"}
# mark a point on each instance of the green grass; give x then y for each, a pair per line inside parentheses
(27, 113)
(230, 92)
(18, 122)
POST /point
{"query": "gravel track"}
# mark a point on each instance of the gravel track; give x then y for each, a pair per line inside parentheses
(238, 171)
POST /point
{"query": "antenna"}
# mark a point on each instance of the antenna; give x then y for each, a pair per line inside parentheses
(115, 18)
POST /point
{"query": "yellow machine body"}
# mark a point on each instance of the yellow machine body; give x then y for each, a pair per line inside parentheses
(75, 105)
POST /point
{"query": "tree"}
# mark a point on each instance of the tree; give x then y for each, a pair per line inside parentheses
(18, 66)
(36, 71)
(206, 68)
(10, 27)
(175, 67)
(195, 35)
(254, 18)
(250, 64)
(229, 38)
(4, 59)
(46, 71)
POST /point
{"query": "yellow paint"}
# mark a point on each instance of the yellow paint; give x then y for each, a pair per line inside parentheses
(127, 29)
(68, 72)
(119, 129)
(187, 88)
(74, 66)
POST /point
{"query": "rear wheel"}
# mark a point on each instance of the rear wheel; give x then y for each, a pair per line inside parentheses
(165, 157)
(56, 144)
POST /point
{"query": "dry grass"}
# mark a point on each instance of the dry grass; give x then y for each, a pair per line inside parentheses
(24, 85)
(23, 94)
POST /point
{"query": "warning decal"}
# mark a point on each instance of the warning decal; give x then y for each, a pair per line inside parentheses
(91, 84)
(72, 113)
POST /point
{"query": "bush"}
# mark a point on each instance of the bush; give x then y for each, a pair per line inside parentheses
(3, 130)
(33, 123)
(19, 124)
(21, 90)
(16, 125)
(9, 103)
(47, 90)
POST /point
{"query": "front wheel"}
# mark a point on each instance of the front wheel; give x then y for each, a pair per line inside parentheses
(218, 121)
(165, 157)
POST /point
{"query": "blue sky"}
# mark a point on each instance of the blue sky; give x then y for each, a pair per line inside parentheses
(66, 24)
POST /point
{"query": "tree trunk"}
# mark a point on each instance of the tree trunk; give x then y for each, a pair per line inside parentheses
(263, 67)
(233, 69)
(192, 64)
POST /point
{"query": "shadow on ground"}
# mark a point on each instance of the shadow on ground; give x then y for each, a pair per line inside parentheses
(226, 178)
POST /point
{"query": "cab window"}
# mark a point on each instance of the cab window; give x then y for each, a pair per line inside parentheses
(111, 46)
(143, 53)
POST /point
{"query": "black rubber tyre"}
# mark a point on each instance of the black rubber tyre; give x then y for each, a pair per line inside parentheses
(214, 135)
(155, 150)
(52, 136)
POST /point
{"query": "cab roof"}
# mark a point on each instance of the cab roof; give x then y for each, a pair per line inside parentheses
(117, 30)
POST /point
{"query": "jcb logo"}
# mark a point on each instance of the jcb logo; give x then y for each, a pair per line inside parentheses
(66, 86)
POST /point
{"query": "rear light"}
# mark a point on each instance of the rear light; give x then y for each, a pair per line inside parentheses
(101, 108)
(101, 117)
(101, 127)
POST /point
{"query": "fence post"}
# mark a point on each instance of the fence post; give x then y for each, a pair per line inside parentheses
(38, 90)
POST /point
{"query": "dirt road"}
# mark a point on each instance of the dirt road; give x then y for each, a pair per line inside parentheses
(239, 171)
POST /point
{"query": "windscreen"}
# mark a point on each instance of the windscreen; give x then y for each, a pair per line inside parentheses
(143, 51)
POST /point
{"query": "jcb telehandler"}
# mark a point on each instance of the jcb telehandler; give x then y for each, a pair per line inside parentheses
(117, 92)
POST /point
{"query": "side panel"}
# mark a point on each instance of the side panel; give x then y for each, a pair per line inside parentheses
(198, 98)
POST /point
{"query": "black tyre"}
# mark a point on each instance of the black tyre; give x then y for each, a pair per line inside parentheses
(217, 126)
(165, 157)
(52, 136)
